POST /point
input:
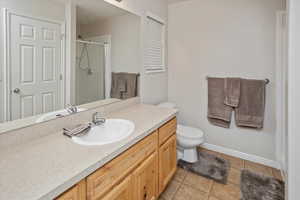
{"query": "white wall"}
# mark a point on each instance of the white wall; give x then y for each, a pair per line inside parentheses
(70, 63)
(125, 43)
(223, 38)
(154, 87)
(293, 181)
(42, 9)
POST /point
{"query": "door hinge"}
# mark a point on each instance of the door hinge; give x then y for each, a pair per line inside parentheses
(62, 36)
(284, 20)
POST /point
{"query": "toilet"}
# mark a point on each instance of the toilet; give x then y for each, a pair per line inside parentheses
(188, 138)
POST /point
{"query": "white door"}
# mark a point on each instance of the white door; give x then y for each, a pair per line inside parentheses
(35, 66)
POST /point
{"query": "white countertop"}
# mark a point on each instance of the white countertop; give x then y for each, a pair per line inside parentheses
(48, 166)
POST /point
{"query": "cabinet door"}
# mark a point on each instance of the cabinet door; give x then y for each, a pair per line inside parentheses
(167, 162)
(77, 192)
(146, 179)
(101, 181)
(122, 191)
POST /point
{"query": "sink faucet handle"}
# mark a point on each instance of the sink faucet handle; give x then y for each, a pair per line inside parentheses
(71, 109)
(98, 119)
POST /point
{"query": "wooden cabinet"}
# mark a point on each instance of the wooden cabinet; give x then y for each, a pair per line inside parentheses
(122, 191)
(167, 162)
(167, 130)
(145, 179)
(140, 173)
(107, 176)
(77, 192)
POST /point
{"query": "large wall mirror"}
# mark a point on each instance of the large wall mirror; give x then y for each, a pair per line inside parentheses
(56, 56)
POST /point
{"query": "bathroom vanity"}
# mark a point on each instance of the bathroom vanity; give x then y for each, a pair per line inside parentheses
(39, 164)
(50, 86)
(141, 172)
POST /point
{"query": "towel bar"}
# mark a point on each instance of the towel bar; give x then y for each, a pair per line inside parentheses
(266, 80)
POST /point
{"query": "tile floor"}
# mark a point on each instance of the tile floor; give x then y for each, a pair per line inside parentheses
(188, 186)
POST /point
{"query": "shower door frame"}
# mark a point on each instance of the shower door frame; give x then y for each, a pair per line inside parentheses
(281, 89)
(107, 59)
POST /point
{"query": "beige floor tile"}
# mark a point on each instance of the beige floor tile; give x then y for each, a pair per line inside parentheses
(236, 163)
(234, 176)
(225, 192)
(198, 182)
(180, 174)
(186, 192)
(161, 198)
(277, 174)
(212, 198)
(170, 191)
(256, 167)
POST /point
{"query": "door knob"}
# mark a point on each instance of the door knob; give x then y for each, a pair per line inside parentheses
(16, 90)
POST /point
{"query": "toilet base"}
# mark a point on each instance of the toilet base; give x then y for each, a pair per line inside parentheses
(188, 155)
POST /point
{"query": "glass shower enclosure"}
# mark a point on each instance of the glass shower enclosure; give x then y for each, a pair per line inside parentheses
(90, 72)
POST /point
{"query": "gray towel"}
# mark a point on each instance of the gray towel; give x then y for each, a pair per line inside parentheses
(124, 85)
(232, 91)
(218, 113)
(251, 109)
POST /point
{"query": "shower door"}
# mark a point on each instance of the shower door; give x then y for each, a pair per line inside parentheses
(90, 72)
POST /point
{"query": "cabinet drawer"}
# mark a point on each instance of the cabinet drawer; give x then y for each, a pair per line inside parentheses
(103, 179)
(167, 130)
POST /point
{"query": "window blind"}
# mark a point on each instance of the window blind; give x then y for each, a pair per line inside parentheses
(155, 45)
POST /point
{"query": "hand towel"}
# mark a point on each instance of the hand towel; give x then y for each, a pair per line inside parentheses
(232, 88)
(124, 85)
(132, 83)
(218, 113)
(251, 109)
(115, 85)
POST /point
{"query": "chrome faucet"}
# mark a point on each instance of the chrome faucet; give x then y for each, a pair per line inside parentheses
(71, 109)
(98, 119)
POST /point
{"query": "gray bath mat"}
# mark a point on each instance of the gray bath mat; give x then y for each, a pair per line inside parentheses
(209, 166)
(259, 187)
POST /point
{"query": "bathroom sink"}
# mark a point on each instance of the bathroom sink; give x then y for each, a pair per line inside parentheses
(55, 114)
(113, 130)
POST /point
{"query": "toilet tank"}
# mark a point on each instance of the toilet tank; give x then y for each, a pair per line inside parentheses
(167, 105)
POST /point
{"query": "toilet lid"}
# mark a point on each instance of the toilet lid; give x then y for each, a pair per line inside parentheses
(189, 132)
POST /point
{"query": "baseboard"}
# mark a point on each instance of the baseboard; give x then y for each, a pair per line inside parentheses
(283, 174)
(245, 156)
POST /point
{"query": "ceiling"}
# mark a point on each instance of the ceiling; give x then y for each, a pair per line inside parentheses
(175, 1)
(90, 11)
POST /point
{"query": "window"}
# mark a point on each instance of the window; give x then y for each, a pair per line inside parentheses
(155, 44)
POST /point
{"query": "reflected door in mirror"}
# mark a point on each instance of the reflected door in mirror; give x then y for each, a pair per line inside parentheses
(35, 58)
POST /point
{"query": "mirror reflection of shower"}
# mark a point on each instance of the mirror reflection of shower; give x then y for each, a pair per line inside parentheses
(90, 71)
(84, 52)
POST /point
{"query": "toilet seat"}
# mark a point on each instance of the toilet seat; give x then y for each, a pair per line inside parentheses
(189, 132)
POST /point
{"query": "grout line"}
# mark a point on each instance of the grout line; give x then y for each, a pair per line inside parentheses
(210, 189)
(176, 191)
